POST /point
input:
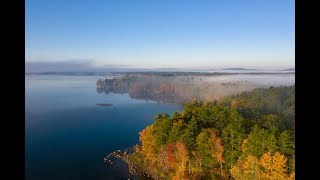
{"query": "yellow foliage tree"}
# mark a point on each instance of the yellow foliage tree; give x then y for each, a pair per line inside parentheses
(218, 149)
(148, 141)
(182, 160)
(237, 170)
(268, 167)
(275, 167)
(246, 169)
(252, 167)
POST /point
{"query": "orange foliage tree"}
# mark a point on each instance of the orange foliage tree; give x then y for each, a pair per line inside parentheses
(170, 158)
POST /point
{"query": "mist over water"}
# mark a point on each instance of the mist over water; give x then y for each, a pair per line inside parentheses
(181, 89)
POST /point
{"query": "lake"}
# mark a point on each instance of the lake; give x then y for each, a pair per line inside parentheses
(67, 135)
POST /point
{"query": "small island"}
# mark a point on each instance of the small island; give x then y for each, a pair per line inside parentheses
(102, 104)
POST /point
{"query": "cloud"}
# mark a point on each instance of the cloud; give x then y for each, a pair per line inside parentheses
(70, 66)
(75, 66)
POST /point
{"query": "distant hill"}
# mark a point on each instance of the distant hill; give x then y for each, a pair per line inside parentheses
(239, 69)
(289, 69)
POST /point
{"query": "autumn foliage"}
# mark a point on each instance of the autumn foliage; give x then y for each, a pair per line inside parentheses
(218, 141)
(267, 167)
(170, 158)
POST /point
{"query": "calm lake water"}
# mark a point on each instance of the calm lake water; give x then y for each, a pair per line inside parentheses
(67, 135)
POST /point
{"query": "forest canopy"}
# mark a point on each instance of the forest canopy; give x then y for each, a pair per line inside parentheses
(245, 136)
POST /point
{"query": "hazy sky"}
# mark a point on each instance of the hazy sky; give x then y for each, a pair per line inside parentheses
(162, 33)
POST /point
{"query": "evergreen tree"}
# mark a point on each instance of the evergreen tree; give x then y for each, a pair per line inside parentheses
(286, 142)
(191, 132)
(233, 135)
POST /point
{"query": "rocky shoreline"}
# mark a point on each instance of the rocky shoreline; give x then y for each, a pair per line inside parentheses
(123, 155)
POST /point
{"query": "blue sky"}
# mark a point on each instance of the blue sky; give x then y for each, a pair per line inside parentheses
(162, 33)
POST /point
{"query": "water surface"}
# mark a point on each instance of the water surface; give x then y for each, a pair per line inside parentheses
(67, 134)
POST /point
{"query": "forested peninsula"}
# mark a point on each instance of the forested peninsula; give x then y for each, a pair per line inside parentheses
(244, 136)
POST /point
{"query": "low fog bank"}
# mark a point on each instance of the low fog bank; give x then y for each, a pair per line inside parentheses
(181, 89)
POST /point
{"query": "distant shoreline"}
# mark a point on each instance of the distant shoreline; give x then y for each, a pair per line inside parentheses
(158, 73)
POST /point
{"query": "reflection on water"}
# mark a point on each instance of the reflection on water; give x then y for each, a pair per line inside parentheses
(181, 89)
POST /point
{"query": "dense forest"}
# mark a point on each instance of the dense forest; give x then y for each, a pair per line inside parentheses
(279, 101)
(245, 136)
